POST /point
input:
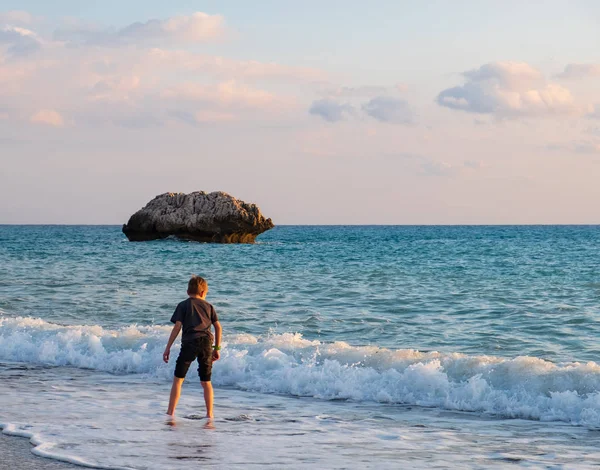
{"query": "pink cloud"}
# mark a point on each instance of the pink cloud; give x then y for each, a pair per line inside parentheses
(224, 67)
(577, 146)
(138, 87)
(228, 94)
(15, 17)
(48, 117)
(115, 89)
(594, 112)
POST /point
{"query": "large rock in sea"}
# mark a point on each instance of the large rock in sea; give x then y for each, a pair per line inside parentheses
(216, 217)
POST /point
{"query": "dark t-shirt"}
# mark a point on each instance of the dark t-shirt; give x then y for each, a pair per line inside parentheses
(196, 316)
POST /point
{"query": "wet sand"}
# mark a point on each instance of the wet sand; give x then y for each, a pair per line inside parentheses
(16, 454)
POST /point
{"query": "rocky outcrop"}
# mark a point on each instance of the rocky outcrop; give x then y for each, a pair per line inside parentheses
(216, 217)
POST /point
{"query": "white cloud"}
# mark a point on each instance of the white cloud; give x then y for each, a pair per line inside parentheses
(19, 41)
(331, 110)
(578, 71)
(194, 28)
(389, 109)
(509, 89)
(48, 117)
(507, 74)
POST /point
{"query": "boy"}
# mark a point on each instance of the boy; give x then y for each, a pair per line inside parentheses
(195, 316)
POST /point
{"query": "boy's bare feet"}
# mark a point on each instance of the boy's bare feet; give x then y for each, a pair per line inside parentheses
(170, 421)
(209, 424)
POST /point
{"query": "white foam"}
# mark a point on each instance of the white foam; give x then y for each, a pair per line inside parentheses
(523, 387)
(47, 449)
(131, 349)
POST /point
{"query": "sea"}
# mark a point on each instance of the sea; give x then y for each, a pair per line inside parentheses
(344, 347)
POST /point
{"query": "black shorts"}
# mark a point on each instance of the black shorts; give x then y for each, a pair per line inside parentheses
(198, 348)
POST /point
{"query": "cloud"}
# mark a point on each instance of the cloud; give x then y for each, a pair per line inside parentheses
(509, 89)
(585, 147)
(329, 90)
(231, 94)
(578, 71)
(331, 110)
(137, 87)
(594, 113)
(194, 28)
(130, 105)
(202, 117)
(20, 41)
(137, 120)
(48, 117)
(224, 67)
(389, 109)
(352, 92)
(382, 108)
(593, 131)
(429, 166)
(114, 88)
(15, 17)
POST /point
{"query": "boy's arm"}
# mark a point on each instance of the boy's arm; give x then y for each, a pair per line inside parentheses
(174, 334)
(218, 332)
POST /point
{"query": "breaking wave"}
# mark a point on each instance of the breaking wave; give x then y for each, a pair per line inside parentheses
(521, 387)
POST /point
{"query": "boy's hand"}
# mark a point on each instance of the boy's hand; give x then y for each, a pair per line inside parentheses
(216, 355)
(166, 355)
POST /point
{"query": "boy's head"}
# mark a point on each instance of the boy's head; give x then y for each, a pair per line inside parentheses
(197, 286)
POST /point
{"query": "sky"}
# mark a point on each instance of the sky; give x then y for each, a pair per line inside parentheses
(320, 112)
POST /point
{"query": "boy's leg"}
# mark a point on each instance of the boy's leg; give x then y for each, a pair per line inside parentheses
(175, 394)
(187, 354)
(208, 398)
(204, 371)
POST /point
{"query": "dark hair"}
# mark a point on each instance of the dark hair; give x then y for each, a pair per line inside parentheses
(196, 285)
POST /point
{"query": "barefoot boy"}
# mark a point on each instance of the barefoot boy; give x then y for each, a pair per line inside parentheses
(195, 316)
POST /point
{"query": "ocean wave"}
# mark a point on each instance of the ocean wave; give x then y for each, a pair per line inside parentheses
(521, 387)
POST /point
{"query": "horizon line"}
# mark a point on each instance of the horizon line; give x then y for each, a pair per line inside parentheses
(586, 224)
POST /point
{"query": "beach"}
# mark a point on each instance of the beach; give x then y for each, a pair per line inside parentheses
(381, 219)
(16, 454)
(343, 347)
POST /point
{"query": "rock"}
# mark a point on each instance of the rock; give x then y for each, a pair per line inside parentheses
(216, 217)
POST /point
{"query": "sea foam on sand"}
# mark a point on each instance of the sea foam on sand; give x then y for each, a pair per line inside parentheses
(118, 421)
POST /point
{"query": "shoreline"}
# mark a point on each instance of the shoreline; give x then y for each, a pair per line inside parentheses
(16, 453)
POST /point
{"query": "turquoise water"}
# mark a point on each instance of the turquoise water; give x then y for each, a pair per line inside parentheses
(503, 291)
(344, 347)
